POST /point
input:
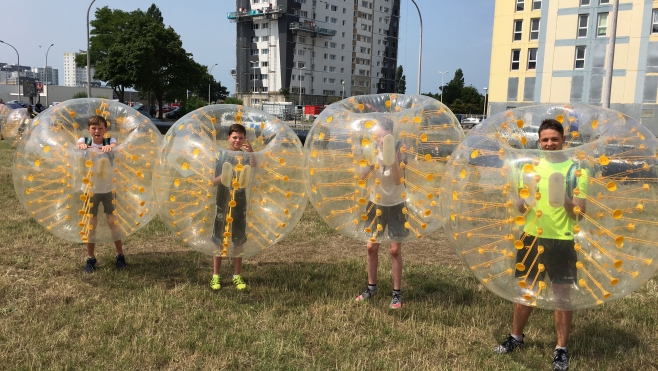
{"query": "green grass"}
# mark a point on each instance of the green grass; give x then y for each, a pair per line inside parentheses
(298, 313)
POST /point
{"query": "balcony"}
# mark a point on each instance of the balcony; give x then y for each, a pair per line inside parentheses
(244, 15)
(311, 28)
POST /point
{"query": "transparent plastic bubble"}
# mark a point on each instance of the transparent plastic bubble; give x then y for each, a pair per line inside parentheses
(556, 229)
(230, 203)
(14, 125)
(374, 165)
(4, 112)
(62, 187)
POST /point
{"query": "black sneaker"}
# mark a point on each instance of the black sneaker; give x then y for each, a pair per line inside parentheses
(121, 261)
(560, 360)
(91, 265)
(509, 345)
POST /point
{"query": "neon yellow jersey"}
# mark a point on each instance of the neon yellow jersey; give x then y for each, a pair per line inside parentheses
(554, 221)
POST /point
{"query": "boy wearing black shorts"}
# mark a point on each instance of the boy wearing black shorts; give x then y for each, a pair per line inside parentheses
(385, 212)
(101, 191)
(550, 236)
(237, 140)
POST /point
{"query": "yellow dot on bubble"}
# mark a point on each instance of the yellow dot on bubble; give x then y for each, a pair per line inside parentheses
(604, 160)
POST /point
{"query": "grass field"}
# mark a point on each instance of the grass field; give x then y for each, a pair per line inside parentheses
(298, 313)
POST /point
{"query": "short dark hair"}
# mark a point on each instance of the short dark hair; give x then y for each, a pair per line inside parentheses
(237, 128)
(97, 120)
(551, 124)
(386, 124)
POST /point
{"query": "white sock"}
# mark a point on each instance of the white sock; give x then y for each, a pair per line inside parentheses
(517, 337)
(235, 275)
(563, 348)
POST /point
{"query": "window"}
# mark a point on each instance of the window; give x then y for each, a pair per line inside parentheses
(604, 2)
(583, 20)
(579, 63)
(303, 13)
(333, 20)
(534, 29)
(584, 2)
(334, 8)
(518, 28)
(300, 52)
(654, 21)
(254, 39)
(536, 4)
(520, 5)
(532, 59)
(602, 25)
(516, 59)
(300, 64)
(263, 64)
(254, 51)
(255, 26)
(263, 51)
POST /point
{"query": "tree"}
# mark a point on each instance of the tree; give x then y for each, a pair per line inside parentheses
(232, 100)
(453, 89)
(286, 93)
(400, 81)
(80, 94)
(192, 104)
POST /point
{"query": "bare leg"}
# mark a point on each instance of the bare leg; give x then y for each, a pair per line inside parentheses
(91, 236)
(216, 264)
(521, 315)
(237, 266)
(372, 261)
(114, 229)
(395, 249)
(562, 317)
(90, 249)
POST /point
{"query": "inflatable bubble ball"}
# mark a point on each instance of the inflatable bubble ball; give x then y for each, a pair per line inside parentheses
(374, 164)
(98, 194)
(4, 112)
(230, 203)
(551, 220)
(14, 125)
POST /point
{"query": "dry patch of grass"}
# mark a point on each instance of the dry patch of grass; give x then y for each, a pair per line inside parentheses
(298, 313)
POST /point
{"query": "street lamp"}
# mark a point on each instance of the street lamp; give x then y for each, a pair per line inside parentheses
(420, 46)
(254, 65)
(19, 69)
(484, 112)
(47, 80)
(300, 84)
(342, 95)
(210, 77)
(442, 87)
(88, 57)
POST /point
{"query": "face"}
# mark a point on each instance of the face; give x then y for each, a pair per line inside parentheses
(551, 140)
(97, 133)
(236, 141)
(381, 133)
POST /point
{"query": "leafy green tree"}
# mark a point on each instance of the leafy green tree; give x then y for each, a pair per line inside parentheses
(106, 28)
(232, 100)
(453, 89)
(400, 81)
(286, 93)
(192, 104)
(80, 94)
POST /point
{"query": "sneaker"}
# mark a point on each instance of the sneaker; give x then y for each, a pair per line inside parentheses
(560, 360)
(214, 282)
(367, 294)
(239, 283)
(509, 345)
(121, 261)
(91, 265)
(396, 301)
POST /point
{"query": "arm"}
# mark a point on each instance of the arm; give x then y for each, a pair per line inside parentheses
(520, 203)
(108, 148)
(81, 144)
(569, 205)
(248, 148)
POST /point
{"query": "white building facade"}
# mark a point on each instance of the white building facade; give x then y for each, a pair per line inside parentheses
(76, 76)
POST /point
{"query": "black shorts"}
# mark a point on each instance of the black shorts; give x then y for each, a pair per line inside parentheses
(238, 213)
(391, 217)
(102, 198)
(559, 260)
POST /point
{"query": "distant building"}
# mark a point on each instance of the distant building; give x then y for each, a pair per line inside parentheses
(555, 51)
(9, 73)
(47, 75)
(76, 76)
(319, 50)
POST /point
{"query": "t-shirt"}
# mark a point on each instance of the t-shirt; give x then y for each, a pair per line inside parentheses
(100, 185)
(554, 221)
(389, 192)
(223, 157)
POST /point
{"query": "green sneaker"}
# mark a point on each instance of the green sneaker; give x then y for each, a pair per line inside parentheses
(214, 282)
(239, 283)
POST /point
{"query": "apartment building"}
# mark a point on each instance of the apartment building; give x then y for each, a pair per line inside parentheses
(554, 51)
(319, 50)
(76, 76)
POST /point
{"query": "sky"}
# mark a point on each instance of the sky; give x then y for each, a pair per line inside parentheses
(456, 34)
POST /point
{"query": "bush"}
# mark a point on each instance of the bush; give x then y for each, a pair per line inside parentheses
(232, 100)
(80, 94)
(192, 104)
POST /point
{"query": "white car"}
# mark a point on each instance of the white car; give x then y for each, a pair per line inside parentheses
(469, 122)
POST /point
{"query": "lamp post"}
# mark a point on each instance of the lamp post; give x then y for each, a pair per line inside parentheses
(19, 69)
(47, 79)
(484, 111)
(300, 84)
(420, 46)
(210, 77)
(342, 95)
(610, 58)
(442, 87)
(254, 65)
(88, 52)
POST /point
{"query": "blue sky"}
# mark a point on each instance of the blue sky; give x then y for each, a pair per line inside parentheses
(456, 34)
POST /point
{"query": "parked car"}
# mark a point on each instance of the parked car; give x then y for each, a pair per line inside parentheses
(175, 114)
(54, 103)
(13, 105)
(20, 103)
(469, 122)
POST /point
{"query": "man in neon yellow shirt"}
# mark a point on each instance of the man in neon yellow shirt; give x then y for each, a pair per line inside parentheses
(549, 224)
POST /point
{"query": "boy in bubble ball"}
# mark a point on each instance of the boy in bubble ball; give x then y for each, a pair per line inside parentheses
(102, 191)
(237, 141)
(556, 225)
(385, 209)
